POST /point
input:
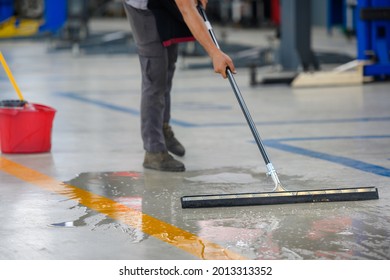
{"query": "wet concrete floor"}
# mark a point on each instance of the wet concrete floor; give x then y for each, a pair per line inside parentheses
(90, 198)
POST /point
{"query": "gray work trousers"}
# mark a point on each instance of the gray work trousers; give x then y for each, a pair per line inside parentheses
(157, 67)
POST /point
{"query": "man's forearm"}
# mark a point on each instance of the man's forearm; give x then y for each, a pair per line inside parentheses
(196, 25)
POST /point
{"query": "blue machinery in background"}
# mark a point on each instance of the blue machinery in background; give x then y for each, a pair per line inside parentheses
(369, 20)
(373, 36)
(55, 15)
(65, 20)
(52, 15)
(6, 9)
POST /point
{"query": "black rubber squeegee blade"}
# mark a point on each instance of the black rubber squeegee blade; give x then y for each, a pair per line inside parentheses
(283, 197)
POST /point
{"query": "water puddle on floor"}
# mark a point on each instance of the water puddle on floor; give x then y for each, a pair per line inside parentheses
(337, 230)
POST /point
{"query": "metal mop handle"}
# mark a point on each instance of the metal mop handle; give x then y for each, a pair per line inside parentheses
(244, 108)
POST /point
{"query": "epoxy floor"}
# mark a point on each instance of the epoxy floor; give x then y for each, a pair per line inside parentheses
(90, 198)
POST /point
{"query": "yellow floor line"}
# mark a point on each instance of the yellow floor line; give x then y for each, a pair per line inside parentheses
(163, 231)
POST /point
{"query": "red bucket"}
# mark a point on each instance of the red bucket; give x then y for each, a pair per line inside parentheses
(26, 129)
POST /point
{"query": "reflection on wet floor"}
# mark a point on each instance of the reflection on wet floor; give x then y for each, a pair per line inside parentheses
(337, 230)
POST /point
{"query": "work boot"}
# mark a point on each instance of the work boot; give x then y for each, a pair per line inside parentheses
(162, 161)
(173, 145)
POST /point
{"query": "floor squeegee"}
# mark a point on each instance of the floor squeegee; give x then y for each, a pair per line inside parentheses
(279, 195)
